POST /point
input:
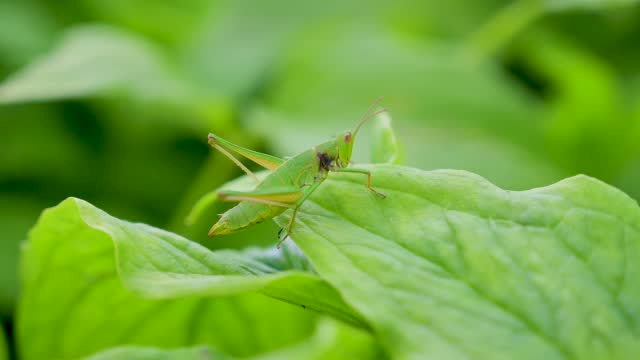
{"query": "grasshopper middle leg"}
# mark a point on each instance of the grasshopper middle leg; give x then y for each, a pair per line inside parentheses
(285, 231)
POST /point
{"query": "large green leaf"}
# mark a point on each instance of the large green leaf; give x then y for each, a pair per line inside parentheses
(158, 264)
(90, 60)
(73, 302)
(449, 266)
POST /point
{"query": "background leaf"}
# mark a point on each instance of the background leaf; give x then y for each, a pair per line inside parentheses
(588, 123)
(15, 222)
(332, 340)
(385, 147)
(559, 5)
(147, 353)
(4, 355)
(459, 268)
(73, 303)
(246, 41)
(167, 22)
(25, 30)
(90, 60)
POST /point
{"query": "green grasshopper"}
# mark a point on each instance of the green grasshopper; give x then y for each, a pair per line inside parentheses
(290, 184)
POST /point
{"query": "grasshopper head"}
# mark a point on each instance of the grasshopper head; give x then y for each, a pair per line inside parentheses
(345, 147)
(346, 139)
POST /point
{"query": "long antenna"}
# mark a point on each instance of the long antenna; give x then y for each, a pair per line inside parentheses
(373, 104)
(367, 118)
(367, 114)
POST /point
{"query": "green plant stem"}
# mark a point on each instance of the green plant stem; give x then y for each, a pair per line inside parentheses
(503, 27)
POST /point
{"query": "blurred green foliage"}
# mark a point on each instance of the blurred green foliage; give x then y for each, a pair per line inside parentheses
(3, 346)
(111, 101)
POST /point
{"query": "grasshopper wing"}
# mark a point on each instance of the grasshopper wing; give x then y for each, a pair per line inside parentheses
(278, 196)
(255, 207)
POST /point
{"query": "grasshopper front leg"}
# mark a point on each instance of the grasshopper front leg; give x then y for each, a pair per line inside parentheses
(363, 172)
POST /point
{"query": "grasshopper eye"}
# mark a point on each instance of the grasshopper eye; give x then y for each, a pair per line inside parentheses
(347, 137)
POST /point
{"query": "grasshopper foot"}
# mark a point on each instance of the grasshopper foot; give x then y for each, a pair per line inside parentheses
(282, 236)
(379, 194)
